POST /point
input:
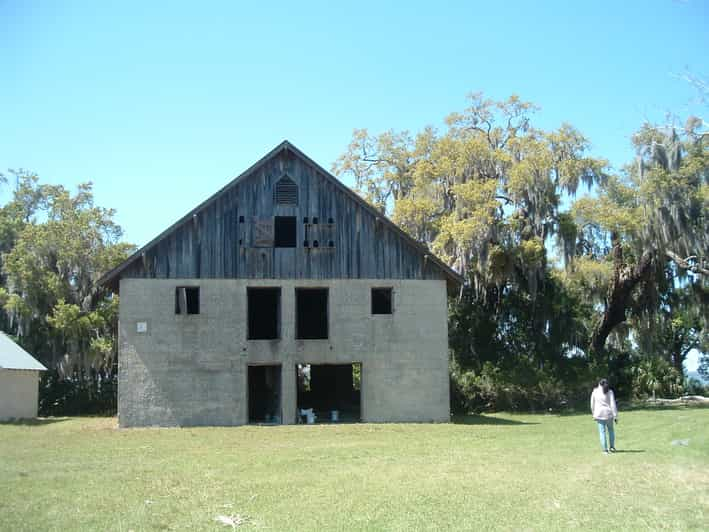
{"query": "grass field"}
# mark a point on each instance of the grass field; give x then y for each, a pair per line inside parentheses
(532, 472)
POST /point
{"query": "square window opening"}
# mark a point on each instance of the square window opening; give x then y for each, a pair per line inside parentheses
(187, 300)
(381, 300)
(311, 311)
(264, 313)
(284, 231)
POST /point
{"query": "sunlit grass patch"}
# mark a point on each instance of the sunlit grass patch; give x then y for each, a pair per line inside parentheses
(505, 471)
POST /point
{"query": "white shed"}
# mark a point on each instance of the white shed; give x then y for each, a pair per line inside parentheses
(19, 381)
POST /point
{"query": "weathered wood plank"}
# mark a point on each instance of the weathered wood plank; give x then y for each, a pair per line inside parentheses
(215, 244)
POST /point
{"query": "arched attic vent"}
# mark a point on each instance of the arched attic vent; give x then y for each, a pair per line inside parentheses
(285, 192)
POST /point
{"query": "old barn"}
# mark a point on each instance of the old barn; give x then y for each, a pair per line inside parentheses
(284, 297)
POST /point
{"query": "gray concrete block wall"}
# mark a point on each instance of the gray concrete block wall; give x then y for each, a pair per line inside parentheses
(190, 370)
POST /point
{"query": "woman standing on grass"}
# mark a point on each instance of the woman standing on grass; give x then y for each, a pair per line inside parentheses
(605, 412)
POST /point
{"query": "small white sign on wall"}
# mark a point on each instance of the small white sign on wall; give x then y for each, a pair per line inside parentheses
(141, 327)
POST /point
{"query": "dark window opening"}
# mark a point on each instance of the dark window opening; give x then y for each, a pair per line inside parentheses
(264, 310)
(311, 313)
(285, 232)
(381, 301)
(187, 300)
(286, 192)
(264, 394)
(329, 392)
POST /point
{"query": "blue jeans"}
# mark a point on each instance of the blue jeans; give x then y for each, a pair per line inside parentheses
(606, 425)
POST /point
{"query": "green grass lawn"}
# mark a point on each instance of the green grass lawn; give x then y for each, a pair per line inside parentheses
(532, 472)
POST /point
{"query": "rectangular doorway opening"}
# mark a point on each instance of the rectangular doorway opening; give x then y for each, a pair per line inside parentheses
(311, 313)
(265, 394)
(332, 392)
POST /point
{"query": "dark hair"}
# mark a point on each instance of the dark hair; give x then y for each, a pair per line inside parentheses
(603, 382)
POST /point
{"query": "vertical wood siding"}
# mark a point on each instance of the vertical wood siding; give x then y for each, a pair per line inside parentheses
(214, 244)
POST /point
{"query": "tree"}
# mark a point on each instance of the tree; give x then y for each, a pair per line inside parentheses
(674, 329)
(703, 368)
(55, 247)
(486, 196)
(652, 215)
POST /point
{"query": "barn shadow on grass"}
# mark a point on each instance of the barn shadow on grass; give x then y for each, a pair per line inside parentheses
(34, 422)
(479, 419)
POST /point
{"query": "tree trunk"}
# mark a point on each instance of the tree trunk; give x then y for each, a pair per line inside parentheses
(624, 281)
(678, 355)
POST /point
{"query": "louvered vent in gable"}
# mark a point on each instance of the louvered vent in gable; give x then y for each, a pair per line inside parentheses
(286, 192)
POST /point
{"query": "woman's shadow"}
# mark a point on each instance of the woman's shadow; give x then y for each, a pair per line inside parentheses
(618, 451)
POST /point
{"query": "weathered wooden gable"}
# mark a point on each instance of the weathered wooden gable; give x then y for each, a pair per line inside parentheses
(231, 235)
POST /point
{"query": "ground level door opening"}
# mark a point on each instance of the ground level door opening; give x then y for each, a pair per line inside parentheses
(329, 392)
(265, 394)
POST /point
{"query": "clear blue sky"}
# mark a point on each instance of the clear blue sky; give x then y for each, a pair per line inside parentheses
(161, 104)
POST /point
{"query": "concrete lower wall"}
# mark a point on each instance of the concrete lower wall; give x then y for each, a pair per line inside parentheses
(186, 370)
(19, 393)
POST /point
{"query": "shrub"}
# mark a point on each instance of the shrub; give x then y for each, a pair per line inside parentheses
(694, 386)
(654, 376)
(92, 392)
(492, 389)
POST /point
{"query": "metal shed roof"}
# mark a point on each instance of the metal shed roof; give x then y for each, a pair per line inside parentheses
(12, 356)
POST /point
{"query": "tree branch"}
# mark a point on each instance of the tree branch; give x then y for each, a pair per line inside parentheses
(618, 299)
(686, 263)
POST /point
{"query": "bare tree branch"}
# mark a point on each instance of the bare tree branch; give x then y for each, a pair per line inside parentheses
(688, 263)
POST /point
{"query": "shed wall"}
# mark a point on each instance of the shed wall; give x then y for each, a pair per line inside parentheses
(19, 393)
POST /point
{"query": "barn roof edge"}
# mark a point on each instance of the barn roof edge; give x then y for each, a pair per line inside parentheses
(110, 277)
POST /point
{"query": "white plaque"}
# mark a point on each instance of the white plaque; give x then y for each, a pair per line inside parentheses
(141, 327)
